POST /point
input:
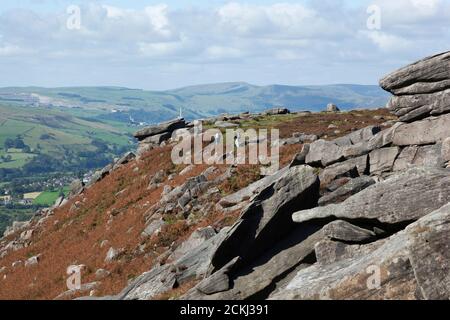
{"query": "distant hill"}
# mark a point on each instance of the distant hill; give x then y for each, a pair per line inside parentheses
(196, 101)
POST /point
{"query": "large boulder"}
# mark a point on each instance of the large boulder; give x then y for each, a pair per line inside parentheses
(324, 153)
(404, 197)
(267, 219)
(168, 126)
(331, 107)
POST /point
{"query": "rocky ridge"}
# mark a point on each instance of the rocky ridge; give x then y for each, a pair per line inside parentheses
(362, 216)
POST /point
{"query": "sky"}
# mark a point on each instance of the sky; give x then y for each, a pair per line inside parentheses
(158, 45)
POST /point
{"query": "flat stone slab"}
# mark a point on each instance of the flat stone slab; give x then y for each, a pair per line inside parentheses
(403, 197)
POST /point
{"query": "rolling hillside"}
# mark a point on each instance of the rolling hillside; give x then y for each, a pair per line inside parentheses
(56, 132)
(196, 101)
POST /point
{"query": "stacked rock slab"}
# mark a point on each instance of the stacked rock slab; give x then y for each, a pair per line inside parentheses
(421, 89)
(152, 136)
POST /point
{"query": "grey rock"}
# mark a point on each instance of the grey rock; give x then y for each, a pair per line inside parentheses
(32, 261)
(192, 265)
(167, 189)
(342, 193)
(251, 281)
(76, 187)
(16, 227)
(324, 153)
(126, 158)
(101, 274)
(364, 135)
(26, 235)
(195, 263)
(157, 139)
(413, 156)
(85, 288)
(144, 148)
(217, 282)
(336, 184)
(158, 178)
(445, 150)
(413, 264)
(112, 254)
(353, 145)
(224, 124)
(267, 219)
(300, 158)
(382, 160)
(351, 168)
(413, 107)
(405, 196)
(277, 111)
(345, 231)
(424, 76)
(427, 131)
(169, 126)
(328, 251)
(196, 239)
(148, 285)
(187, 170)
(303, 137)
(185, 199)
(240, 198)
(332, 108)
(152, 227)
(429, 254)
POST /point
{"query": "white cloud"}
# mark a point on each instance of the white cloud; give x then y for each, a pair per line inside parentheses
(238, 41)
(220, 52)
(11, 50)
(388, 42)
(158, 49)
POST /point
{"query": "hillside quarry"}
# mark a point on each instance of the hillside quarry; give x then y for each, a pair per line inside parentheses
(360, 209)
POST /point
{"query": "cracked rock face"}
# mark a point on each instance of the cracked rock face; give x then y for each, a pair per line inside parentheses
(406, 196)
(267, 219)
(421, 89)
(412, 264)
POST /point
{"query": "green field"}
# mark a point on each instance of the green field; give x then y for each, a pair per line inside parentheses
(56, 132)
(48, 198)
(18, 159)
